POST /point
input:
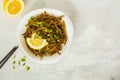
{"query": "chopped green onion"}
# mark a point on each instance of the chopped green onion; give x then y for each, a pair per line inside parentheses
(14, 56)
(46, 30)
(27, 68)
(38, 33)
(14, 62)
(40, 24)
(19, 62)
(31, 18)
(23, 59)
(13, 67)
(46, 51)
(23, 64)
(50, 30)
(47, 25)
(39, 50)
(48, 39)
(56, 37)
(57, 31)
(34, 24)
(48, 35)
(53, 41)
(37, 36)
(26, 25)
(58, 40)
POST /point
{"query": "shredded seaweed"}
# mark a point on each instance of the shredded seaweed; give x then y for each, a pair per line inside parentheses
(48, 27)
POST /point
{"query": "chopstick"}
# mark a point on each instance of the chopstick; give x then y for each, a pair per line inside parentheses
(4, 60)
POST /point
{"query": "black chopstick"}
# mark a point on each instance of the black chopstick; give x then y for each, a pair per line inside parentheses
(3, 61)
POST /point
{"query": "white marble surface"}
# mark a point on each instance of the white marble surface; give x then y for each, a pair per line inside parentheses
(95, 50)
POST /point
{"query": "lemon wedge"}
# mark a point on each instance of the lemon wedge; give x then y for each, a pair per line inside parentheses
(36, 43)
(13, 7)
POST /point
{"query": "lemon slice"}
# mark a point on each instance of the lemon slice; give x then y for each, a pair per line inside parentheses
(13, 7)
(36, 44)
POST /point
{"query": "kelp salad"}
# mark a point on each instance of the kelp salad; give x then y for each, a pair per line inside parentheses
(45, 34)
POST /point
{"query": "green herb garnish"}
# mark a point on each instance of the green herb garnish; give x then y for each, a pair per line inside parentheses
(57, 31)
(46, 30)
(23, 64)
(14, 56)
(13, 67)
(38, 24)
(56, 37)
(19, 62)
(23, 59)
(46, 51)
(39, 50)
(27, 68)
(48, 39)
(26, 25)
(37, 36)
(14, 62)
(58, 40)
(31, 18)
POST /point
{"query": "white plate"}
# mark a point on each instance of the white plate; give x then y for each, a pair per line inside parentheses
(22, 29)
